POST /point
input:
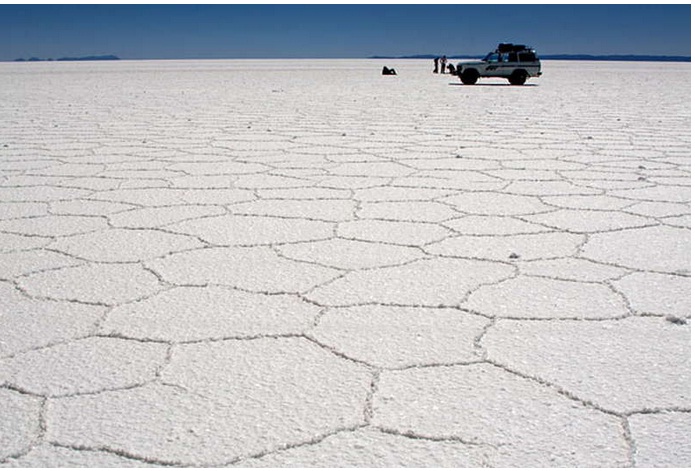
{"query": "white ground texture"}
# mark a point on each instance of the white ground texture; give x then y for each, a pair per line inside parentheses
(308, 264)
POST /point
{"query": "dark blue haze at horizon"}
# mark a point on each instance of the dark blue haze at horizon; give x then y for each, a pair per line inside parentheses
(337, 31)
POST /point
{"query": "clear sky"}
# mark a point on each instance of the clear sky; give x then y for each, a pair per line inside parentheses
(337, 31)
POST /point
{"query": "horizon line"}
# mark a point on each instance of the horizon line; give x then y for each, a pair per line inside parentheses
(581, 56)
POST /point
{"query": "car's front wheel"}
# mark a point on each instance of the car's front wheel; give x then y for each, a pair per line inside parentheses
(518, 77)
(469, 76)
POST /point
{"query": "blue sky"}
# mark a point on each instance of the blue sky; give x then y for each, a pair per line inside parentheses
(340, 31)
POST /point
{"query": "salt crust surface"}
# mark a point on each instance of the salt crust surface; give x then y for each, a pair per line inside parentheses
(303, 263)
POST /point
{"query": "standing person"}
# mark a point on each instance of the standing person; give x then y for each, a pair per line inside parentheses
(436, 65)
(442, 61)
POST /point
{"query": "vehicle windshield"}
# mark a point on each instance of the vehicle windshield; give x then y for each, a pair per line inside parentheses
(492, 57)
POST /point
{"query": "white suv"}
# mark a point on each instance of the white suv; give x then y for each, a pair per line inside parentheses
(515, 62)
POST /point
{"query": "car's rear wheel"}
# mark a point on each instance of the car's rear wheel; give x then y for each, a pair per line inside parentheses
(469, 76)
(518, 77)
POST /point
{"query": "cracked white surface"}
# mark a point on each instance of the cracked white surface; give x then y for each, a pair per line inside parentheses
(595, 360)
(393, 337)
(94, 284)
(212, 313)
(20, 426)
(27, 323)
(420, 283)
(375, 449)
(529, 297)
(254, 269)
(85, 366)
(529, 425)
(122, 245)
(662, 440)
(300, 263)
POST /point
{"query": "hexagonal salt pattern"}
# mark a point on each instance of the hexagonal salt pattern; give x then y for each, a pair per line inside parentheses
(662, 440)
(120, 245)
(254, 230)
(256, 269)
(660, 249)
(20, 427)
(528, 424)
(84, 366)
(528, 297)
(222, 401)
(300, 263)
(350, 254)
(633, 364)
(375, 449)
(52, 456)
(26, 323)
(190, 314)
(420, 283)
(401, 336)
(93, 284)
(524, 247)
(654, 293)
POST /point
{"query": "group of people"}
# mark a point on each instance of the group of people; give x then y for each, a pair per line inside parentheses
(440, 65)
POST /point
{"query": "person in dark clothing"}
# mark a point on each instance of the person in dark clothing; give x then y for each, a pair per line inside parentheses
(442, 61)
(387, 71)
(436, 65)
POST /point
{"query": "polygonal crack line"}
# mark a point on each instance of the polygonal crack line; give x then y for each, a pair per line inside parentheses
(154, 379)
(515, 274)
(656, 410)
(422, 366)
(46, 239)
(122, 454)
(630, 440)
(289, 446)
(632, 270)
(79, 261)
(555, 388)
(425, 255)
(658, 219)
(37, 297)
(607, 284)
(377, 369)
(570, 318)
(478, 347)
(565, 230)
(390, 304)
(334, 351)
(438, 438)
(395, 244)
(36, 440)
(369, 401)
(211, 340)
(48, 345)
(317, 318)
(164, 228)
(276, 248)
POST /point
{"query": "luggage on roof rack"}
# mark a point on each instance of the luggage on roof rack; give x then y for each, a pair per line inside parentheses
(503, 48)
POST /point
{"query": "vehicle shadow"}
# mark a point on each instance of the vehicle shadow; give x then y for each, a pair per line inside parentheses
(454, 84)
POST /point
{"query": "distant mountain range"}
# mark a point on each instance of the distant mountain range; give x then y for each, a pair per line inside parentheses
(86, 58)
(560, 57)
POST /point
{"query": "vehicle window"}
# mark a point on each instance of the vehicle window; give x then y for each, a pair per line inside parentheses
(513, 57)
(527, 57)
(492, 57)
